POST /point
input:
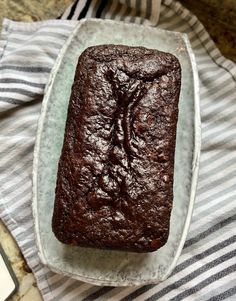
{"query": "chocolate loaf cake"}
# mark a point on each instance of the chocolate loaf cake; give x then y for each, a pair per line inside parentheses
(115, 174)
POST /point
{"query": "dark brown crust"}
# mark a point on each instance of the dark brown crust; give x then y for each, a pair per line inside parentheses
(115, 174)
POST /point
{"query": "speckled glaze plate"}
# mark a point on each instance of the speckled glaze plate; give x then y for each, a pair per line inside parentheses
(103, 267)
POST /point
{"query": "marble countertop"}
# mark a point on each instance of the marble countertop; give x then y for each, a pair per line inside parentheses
(219, 18)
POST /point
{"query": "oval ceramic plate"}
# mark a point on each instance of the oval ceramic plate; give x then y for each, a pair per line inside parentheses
(103, 267)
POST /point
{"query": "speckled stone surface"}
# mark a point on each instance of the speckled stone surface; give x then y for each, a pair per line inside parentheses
(32, 10)
(219, 18)
(28, 290)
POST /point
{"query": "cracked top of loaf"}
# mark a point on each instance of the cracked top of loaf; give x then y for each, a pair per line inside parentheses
(115, 174)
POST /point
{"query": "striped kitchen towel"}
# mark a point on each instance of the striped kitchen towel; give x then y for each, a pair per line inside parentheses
(207, 267)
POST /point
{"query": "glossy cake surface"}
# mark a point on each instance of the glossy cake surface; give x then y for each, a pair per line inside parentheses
(115, 174)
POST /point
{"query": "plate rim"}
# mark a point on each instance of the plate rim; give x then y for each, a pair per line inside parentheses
(195, 160)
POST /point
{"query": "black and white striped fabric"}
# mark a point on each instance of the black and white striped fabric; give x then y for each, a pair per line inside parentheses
(207, 267)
